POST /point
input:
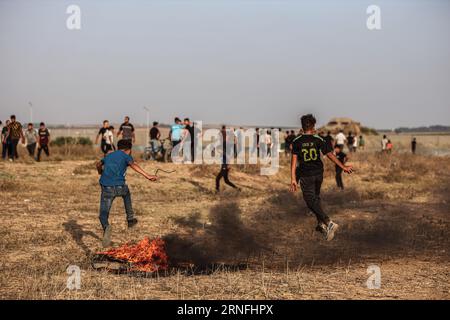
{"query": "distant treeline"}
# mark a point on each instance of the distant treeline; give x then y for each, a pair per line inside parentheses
(436, 128)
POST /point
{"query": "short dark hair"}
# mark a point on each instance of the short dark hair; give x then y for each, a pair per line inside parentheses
(127, 117)
(30, 124)
(186, 119)
(177, 119)
(155, 123)
(308, 122)
(105, 121)
(111, 128)
(13, 116)
(42, 124)
(124, 144)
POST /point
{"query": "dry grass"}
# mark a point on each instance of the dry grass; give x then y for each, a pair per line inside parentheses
(257, 244)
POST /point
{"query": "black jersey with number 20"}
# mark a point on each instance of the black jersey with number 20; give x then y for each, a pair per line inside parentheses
(308, 147)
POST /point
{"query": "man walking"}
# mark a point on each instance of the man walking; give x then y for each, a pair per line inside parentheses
(155, 136)
(189, 127)
(15, 133)
(127, 130)
(340, 139)
(43, 141)
(31, 137)
(5, 140)
(413, 145)
(105, 133)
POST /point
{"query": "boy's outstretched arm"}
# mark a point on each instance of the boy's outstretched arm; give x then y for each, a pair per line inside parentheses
(332, 157)
(294, 184)
(138, 169)
(99, 166)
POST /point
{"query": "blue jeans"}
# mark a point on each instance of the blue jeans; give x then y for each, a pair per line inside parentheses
(106, 200)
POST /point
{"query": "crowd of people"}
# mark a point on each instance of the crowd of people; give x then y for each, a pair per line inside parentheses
(304, 148)
(13, 133)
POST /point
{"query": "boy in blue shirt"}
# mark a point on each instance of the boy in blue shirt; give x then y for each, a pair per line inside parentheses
(176, 132)
(113, 169)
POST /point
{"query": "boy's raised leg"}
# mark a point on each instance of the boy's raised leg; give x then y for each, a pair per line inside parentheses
(131, 220)
(311, 187)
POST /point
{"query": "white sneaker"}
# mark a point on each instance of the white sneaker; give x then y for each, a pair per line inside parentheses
(331, 229)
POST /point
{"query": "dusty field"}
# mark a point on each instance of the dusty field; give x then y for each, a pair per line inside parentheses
(394, 214)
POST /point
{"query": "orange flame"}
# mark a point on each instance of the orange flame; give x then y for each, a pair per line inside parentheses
(146, 255)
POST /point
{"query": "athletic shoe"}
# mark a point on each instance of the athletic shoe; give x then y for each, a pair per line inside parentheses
(132, 222)
(322, 228)
(331, 229)
(106, 242)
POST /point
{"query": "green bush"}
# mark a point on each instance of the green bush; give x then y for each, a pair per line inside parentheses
(64, 141)
(369, 131)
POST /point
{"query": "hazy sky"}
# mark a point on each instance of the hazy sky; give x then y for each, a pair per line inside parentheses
(243, 62)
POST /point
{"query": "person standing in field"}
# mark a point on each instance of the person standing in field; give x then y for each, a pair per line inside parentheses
(15, 134)
(176, 132)
(155, 136)
(350, 142)
(225, 167)
(5, 140)
(268, 142)
(31, 138)
(340, 139)
(355, 144)
(286, 144)
(389, 147)
(126, 131)
(342, 157)
(111, 137)
(329, 139)
(362, 142)
(384, 143)
(112, 169)
(43, 141)
(307, 171)
(413, 145)
(191, 131)
(106, 135)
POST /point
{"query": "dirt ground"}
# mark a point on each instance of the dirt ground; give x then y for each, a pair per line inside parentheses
(393, 214)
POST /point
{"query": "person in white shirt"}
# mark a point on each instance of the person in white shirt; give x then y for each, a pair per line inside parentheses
(340, 139)
(384, 143)
(355, 144)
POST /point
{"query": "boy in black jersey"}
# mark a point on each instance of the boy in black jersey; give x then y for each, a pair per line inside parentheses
(307, 170)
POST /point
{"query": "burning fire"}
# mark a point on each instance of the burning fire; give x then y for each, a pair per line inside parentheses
(146, 255)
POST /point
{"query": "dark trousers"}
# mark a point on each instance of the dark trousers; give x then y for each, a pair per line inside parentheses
(5, 149)
(31, 148)
(105, 147)
(106, 200)
(42, 147)
(192, 152)
(339, 181)
(13, 149)
(224, 174)
(311, 194)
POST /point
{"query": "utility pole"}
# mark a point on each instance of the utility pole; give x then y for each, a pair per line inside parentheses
(31, 112)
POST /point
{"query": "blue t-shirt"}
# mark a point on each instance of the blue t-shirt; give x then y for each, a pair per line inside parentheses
(177, 129)
(115, 168)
